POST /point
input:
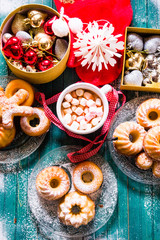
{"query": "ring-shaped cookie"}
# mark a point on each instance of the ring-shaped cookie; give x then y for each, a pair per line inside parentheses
(40, 128)
(17, 84)
(148, 113)
(130, 137)
(87, 177)
(52, 183)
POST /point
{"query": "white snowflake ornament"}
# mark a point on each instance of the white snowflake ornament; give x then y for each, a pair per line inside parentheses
(97, 46)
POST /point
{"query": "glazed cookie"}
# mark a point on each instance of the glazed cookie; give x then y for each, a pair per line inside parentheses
(17, 84)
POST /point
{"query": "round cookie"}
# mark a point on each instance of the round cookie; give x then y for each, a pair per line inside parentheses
(87, 177)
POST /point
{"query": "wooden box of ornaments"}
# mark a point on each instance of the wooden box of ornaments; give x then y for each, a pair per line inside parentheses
(141, 65)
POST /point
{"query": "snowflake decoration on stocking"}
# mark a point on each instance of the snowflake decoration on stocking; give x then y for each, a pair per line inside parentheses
(97, 46)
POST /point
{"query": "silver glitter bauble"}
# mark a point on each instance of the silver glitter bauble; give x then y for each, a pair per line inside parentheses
(154, 75)
(135, 41)
(152, 43)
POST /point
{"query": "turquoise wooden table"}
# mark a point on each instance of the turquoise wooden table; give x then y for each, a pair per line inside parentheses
(138, 208)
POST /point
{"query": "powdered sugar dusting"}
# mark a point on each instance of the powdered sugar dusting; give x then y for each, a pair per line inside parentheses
(2, 232)
(157, 4)
(1, 182)
(45, 211)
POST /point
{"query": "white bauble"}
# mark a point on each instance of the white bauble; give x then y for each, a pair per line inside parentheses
(60, 28)
(75, 24)
(6, 36)
(134, 78)
(23, 36)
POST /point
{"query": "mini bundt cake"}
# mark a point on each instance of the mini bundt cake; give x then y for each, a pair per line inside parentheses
(130, 137)
(143, 161)
(148, 113)
(52, 183)
(87, 177)
(152, 143)
(76, 209)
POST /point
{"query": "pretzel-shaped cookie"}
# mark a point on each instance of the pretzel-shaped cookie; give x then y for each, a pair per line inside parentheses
(9, 107)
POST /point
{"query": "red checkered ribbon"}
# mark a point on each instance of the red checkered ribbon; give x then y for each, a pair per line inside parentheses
(93, 146)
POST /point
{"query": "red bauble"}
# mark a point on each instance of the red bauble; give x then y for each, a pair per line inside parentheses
(13, 48)
(48, 26)
(45, 65)
(30, 57)
(12, 41)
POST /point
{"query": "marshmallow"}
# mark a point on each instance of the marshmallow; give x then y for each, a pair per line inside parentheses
(66, 104)
(89, 116)
(83, 101)
(73, 108)
(79, 111)
(88, 95)
(75, 101)
(93, 110)
(68, 97)
(95, 121)
(79, 92)
(99, 112)
(83, 125)
(67, 110)
(74, 95)
(67, 119)
(86, 110)
(91, 103)
(75, 125)
(80, 118)
(98, 102)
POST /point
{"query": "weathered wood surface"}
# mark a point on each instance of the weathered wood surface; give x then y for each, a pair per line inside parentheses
(138, 208)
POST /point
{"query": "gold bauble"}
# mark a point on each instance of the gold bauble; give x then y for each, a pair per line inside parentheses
(37, 18)
(136, 61)
(45, 41)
